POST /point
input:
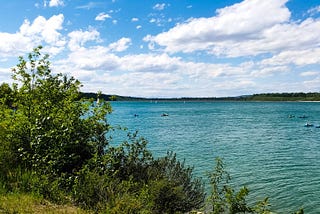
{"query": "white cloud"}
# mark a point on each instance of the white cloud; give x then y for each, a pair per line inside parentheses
(56, 3)
(296, 57)
(5, 71)
(314, 10)
(234, 31)
(79, 38)
(121, 45)
(148, 74)
(233, 27)
(44, 29)
(159, 6)
(134, 19)
(102, 17)
(149, 63)
(158, 21)
(152, 20)
(14, 44)
(263, 71)
(310, 73)
(90, 5)
(32, 34)
(312, 85)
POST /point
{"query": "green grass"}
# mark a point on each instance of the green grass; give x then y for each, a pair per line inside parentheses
(24, 203)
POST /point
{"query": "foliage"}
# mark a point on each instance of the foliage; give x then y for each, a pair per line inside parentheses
(224, 199)
(173, 173)
(113, 98)
(128, 175)
(54, 144)
(26, 203)
(51, 131)
(300, 96)
(285, 97)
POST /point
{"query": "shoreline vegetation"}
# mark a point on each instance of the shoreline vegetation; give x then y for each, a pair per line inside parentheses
(264, 97)
(56, 157)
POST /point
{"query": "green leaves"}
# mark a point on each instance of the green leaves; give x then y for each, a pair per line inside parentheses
(224, 199)
(59, 142)
(53, 131)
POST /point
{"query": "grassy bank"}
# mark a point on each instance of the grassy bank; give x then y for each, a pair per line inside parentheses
(26, 203)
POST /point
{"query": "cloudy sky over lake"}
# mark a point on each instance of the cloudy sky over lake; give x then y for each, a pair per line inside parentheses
(176, 48)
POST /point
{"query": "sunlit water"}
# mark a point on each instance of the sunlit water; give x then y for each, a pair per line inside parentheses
(272, 154)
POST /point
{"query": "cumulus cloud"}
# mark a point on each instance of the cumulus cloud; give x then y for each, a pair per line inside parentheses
(31, 34)
(245, 30)
(150, 63)
(102, 17)
(121, 45)
(56, 3)
(231, 31)
(160, 73)
(44, 29)
(159, 6)
(77, 39)
(295, 57)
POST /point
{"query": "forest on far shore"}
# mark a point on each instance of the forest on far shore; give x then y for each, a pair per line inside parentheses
(282, 97)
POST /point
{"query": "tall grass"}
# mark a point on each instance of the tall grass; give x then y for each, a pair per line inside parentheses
(26, 203)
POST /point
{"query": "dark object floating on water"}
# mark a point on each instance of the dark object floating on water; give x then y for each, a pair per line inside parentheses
(136, 115)
(303, 116)
(164, 115)
(308, 125)
(317, 126)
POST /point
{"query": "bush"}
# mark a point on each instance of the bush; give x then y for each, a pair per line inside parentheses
(128, 178)
(188, 191)
(90, 190)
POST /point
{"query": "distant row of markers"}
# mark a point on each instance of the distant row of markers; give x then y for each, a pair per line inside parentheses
(162, 115)
(307, 124)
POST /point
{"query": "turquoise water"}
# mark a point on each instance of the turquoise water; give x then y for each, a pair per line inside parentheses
(272, 154)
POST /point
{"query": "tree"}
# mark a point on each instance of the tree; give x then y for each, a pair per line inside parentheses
(53, 132)
(54, 143)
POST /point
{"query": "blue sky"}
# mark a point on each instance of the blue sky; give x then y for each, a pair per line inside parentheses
(182, 48)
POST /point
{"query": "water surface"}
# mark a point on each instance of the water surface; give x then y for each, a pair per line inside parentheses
(273, 154)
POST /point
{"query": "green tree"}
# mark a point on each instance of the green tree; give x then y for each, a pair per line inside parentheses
(113, 98)
(6, 95)
(50, 130)
(55, 144)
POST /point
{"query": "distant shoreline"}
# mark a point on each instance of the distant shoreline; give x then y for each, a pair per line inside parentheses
(265, 97)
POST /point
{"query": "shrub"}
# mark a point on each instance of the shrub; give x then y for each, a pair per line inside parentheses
(53, 143)
(224, 199)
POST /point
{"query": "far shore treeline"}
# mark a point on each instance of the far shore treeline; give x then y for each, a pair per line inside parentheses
(282, 97)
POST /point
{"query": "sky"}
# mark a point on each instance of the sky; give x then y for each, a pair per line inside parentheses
(167, 48)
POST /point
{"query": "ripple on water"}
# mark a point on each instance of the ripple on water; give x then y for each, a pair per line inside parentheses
(263, 148)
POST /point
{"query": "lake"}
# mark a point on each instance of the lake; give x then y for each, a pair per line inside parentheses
(264, 145)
